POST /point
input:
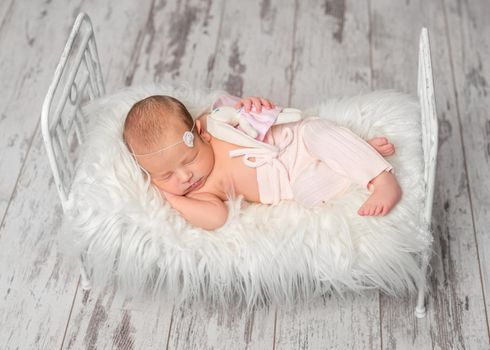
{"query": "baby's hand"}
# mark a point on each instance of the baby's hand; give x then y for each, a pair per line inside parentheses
(258, 102)
(204, 210)
(170, 197)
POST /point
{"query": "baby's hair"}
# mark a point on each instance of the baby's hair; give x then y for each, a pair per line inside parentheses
(153, 117)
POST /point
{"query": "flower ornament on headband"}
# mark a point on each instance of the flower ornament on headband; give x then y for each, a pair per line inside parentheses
(187, 139)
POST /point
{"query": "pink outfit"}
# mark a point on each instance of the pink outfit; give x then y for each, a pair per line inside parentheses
(315, 161)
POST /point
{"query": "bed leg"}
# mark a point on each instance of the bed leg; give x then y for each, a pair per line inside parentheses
(85, 279)
(420, 310)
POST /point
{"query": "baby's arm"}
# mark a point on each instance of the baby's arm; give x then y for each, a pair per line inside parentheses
(204, 210)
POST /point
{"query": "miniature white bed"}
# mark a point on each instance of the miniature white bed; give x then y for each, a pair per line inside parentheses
(123, 229)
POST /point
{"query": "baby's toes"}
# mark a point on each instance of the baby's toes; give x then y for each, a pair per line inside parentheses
(379, 141)
(384, 211)
(378, 210)
(363, 210)
(387, 150)
(369, 210)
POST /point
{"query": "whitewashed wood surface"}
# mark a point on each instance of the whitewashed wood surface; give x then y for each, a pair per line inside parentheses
(456, 314)
(296, 53)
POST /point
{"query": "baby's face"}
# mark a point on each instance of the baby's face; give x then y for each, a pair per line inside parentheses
(180, 169)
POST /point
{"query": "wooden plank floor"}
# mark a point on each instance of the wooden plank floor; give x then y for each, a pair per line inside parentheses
(297, 53)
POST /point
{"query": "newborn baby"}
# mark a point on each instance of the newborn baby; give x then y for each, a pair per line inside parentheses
(313, 161)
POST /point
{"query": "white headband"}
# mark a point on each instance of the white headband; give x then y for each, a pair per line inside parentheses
(187, 139)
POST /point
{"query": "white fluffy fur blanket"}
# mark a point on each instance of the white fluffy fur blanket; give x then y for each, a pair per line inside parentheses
(263, 254)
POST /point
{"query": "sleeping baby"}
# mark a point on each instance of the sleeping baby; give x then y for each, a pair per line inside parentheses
(198, 165)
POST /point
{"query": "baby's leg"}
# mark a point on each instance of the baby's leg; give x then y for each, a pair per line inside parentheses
(343, 151)
(386, 193)
(350, 156)
(382, 145)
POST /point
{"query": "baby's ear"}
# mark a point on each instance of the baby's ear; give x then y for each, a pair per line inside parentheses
(201, 129)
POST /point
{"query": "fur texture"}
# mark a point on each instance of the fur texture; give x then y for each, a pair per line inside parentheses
(282, 254)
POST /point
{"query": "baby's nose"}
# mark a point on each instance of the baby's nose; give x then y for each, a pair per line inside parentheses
(185, 176)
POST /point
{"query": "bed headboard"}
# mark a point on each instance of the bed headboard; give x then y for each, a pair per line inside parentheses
(77, 79)
(427, 100)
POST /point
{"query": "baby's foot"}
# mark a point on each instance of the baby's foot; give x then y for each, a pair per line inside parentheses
(382, 145)
(386, 193)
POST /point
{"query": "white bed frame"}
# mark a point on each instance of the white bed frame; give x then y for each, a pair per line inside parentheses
(78, 78)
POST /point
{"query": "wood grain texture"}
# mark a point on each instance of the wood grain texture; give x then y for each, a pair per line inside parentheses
(105, 319)
(295, 53)
(177, 44)
(331, 51)
(331, 322)
(120, 29)
(456, 315)
(331, 56)
(27, 58)
(201, 327)
(6, 8)
(468, 33)
(37, 282)
(253, 55)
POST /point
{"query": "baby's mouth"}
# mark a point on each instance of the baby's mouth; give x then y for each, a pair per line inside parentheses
(194, 185)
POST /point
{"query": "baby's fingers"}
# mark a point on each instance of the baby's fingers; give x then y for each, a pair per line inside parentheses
(247, 104)
(257, 103)
(266, 103)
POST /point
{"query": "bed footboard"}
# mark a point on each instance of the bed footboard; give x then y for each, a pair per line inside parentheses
(429, 144)
(429, 120)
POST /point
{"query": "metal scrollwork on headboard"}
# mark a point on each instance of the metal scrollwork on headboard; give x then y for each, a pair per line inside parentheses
(77, 79)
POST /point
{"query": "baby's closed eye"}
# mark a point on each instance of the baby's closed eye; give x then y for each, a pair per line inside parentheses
(163, 177)
(190, 160)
